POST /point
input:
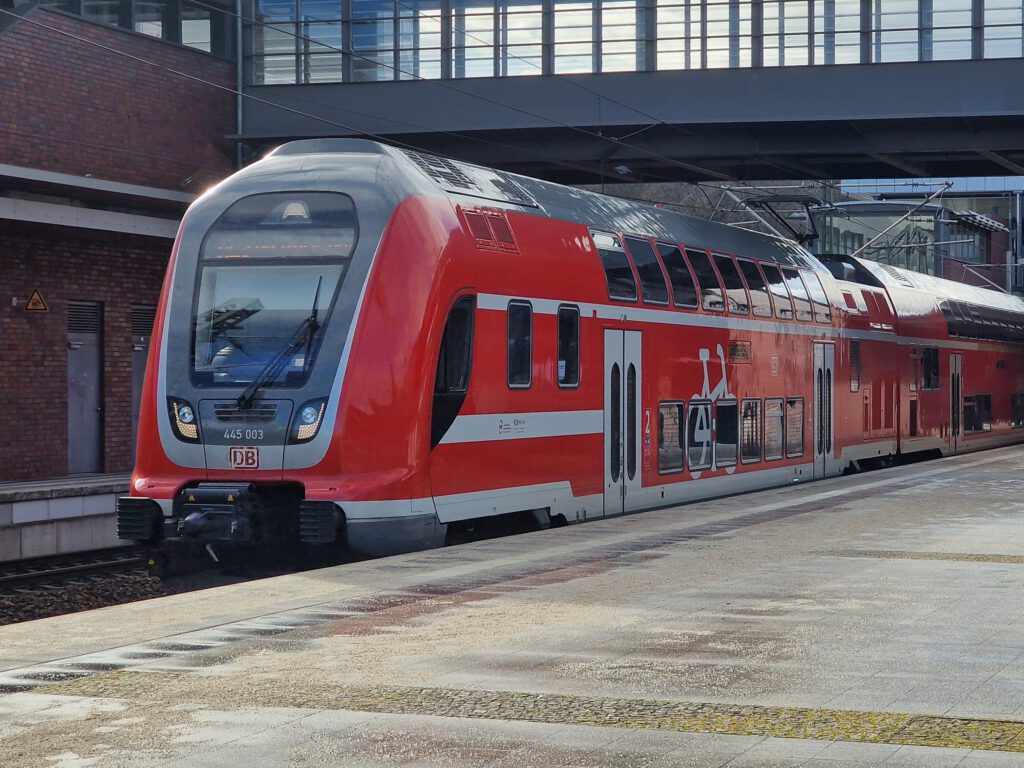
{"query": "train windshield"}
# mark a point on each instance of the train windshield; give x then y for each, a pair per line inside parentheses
(269, 271)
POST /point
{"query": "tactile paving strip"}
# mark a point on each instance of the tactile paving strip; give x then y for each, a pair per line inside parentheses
(961, 557)
(636, 714)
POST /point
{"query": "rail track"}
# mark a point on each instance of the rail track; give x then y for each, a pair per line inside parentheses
(58, 570)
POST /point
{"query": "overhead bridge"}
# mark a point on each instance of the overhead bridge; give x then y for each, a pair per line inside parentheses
(648, 90)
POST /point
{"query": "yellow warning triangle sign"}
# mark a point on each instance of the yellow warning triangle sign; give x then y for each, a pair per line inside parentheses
(36, 303)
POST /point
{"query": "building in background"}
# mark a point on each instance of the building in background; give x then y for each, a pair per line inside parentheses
(102, 146)
(957, 243)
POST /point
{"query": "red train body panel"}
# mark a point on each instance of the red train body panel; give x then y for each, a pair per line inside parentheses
(357, 344)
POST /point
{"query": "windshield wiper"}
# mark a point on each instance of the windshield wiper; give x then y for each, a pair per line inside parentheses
(303, 335)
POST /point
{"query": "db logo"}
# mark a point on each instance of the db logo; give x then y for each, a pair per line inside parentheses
(245, 458)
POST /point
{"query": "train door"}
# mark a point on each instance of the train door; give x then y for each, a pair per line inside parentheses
(956, 402)
(621, 421)
(824, 408)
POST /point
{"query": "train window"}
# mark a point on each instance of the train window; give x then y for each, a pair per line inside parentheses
(736, 298)
(795, 426)
(978, 413)
(684, 290)
(773, 431)
(618, 273)
(707, 280)
(631, 421)
(726, 433)
(698, 435)
(819, 299)
(850, 303)
(1017, 410)
(568, 346)
(780, 294)
(286, 225)
(670, 437)
(750, 431)
(520, 344)
(801, 301)
(858, 299)
(453, 367)
(930, 368)
(652, 281)
(760, 299)
(855, 366)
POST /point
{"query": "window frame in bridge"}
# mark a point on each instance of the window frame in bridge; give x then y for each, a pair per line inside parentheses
(428, 39)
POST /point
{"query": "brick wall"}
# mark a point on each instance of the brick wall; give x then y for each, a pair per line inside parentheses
(73, 108)
(66, 264)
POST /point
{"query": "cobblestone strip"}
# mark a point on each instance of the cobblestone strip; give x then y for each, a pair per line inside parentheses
(636, 714)
(964, 557)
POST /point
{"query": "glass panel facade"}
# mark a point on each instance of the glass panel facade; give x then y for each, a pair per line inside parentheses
(207, 25)
(680, 44)
(1003, 19)
(574, 37)
(411, 39)
(927, 241)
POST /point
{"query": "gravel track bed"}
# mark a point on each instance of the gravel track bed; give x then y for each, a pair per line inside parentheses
(79, 595)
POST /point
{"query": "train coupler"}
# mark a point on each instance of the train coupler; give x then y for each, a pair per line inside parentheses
(216, 512)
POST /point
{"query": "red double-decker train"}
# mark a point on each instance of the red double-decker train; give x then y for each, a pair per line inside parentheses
(367, 347)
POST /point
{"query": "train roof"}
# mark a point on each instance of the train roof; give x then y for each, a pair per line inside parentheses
(941, 289)
(468, 183)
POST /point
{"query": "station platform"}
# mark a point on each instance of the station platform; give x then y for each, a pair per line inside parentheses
(874, 620)
(77, 513)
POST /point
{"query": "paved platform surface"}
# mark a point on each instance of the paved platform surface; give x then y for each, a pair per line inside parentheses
(876, 620)
(63, 487)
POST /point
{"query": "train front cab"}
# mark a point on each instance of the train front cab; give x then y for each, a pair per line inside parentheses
(242, 406)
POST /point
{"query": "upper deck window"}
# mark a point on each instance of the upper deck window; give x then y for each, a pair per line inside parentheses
(801, 300)
(780, 294)
(735, 292)
(684, 290)
(760, 300)
(819, 299)
(707, 279)
(617, 271)
(652, 281)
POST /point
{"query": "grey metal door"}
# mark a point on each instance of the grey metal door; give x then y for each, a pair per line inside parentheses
(85, 387)
(142, 329)
(956, 402)
(622, 434)
(824, 409)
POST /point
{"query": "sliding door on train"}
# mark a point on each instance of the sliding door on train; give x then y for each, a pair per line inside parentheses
(622, 448)
(956, 402)
(824, 409)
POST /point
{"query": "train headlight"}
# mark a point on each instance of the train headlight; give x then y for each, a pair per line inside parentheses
(183, 420)
(307, 421)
